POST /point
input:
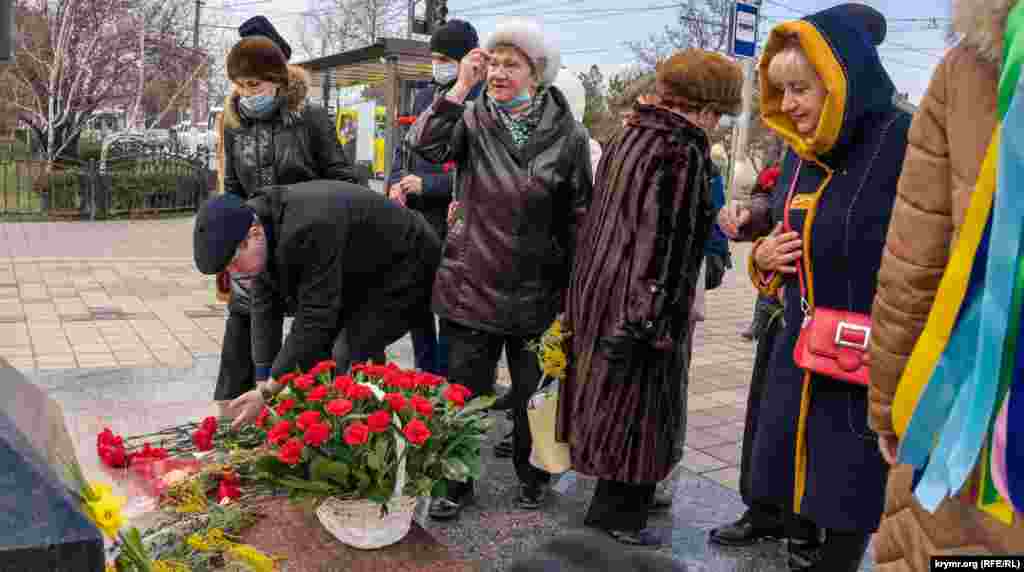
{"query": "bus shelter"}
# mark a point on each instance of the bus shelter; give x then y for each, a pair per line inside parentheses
(391, 65)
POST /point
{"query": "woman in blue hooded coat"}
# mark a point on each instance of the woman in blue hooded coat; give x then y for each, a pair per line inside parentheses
(825, 92)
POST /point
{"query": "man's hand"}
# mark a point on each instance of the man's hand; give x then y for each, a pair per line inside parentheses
(397, 193)
(889, 446)
(732, 217)
(245, 409)
(411, 184)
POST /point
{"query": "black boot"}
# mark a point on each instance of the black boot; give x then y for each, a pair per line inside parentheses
(840, 552)
(450, 507)
(753, 527)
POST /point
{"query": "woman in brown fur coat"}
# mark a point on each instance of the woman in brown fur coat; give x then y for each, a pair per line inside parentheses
(935, 189)
(622, 408)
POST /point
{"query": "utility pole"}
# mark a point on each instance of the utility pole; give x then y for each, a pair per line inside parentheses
(412, 19)
(196, 107)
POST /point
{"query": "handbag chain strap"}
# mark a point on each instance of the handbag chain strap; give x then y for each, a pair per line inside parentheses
(787, 227)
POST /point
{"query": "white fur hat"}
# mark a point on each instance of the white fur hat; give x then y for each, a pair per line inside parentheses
(572, 88)
(528, 36)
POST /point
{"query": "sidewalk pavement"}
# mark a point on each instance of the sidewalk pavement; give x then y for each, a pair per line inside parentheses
(83, 295)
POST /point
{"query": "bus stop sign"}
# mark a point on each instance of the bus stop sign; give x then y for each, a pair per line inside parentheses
(744, 30)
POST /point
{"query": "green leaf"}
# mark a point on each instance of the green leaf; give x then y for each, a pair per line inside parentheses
(304, 485)
(474, 464)
(362, 479)
(476, 405)
(455, 470)
(382, 447)
(324, 469)
(273, 466)
(373, 461)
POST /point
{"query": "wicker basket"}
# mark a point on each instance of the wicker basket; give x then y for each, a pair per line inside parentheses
(358, 523)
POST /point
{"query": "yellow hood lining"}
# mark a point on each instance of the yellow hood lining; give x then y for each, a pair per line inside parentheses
(819, 52)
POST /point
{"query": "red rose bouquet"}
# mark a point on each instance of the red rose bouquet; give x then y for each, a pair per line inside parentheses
(373, 433)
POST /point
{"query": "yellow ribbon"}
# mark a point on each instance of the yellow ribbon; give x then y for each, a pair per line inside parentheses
(950, 295)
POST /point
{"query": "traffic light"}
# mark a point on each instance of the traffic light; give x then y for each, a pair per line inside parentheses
(6, 31)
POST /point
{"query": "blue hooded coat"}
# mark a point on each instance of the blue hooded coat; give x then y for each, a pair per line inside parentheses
(813, 451)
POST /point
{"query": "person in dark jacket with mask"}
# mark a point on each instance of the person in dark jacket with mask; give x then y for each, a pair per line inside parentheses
(271, 137)
(356, 267)
(427, 187)
(523, 180)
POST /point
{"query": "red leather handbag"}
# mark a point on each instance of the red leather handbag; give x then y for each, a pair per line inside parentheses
(832, 342)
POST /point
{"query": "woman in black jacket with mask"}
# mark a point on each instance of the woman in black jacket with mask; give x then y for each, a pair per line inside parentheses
(272, 136)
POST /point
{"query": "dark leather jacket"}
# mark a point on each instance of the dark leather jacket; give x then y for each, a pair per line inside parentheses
(506, 264)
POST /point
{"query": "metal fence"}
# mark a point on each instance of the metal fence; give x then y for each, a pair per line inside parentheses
(139, 181)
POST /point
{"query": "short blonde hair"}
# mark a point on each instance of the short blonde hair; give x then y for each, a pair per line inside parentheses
(791, 64)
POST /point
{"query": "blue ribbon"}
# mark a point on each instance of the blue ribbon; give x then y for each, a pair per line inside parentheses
(997, 301)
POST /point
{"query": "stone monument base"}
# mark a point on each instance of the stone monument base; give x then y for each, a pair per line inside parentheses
(291, 532)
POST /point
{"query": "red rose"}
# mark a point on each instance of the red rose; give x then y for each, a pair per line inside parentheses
(228, 490)
(416, 432)
(304, 382)
(307, 419)
(148, 453)
(291, 452)
(323, 367)
(107, 437)
(357, 434)
(378, 421)
(359, 392)
(343, 382)
(395, 401)
(400, 379)
(261, 421)
(209, 425)
(285, 406)
(317, 434)
(280, 432)
(113, 456)
(287, 378)
(424, 379)
(203, 440)
(457, 394)
(422, 405)
(318, 394)
(339, 407)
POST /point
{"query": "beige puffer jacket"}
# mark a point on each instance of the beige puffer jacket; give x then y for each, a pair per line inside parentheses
(947, 142)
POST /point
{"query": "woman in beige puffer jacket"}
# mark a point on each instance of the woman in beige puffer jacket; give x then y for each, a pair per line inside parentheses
(947, 142)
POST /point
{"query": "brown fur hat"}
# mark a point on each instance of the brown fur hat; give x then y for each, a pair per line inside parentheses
(693, 79)
(257, 57)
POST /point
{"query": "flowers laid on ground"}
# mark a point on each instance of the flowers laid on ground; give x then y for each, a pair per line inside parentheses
(347, 435)
(199, 496)
(551, 352)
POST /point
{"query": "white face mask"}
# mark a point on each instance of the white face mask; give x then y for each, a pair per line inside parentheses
(445, 73)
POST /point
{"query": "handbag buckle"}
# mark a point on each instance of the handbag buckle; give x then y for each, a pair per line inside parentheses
(848, 327)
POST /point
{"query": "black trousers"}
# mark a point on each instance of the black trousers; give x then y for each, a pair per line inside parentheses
(620, 506)
(472, 361)
(237, 373)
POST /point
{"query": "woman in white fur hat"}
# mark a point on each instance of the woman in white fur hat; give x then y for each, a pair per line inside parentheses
(523, 181)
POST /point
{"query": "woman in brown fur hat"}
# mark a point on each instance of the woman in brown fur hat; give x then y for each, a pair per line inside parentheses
(271, 137)
(622, 408)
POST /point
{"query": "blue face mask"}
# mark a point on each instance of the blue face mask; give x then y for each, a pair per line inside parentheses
(258, 104)
(521, 99)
